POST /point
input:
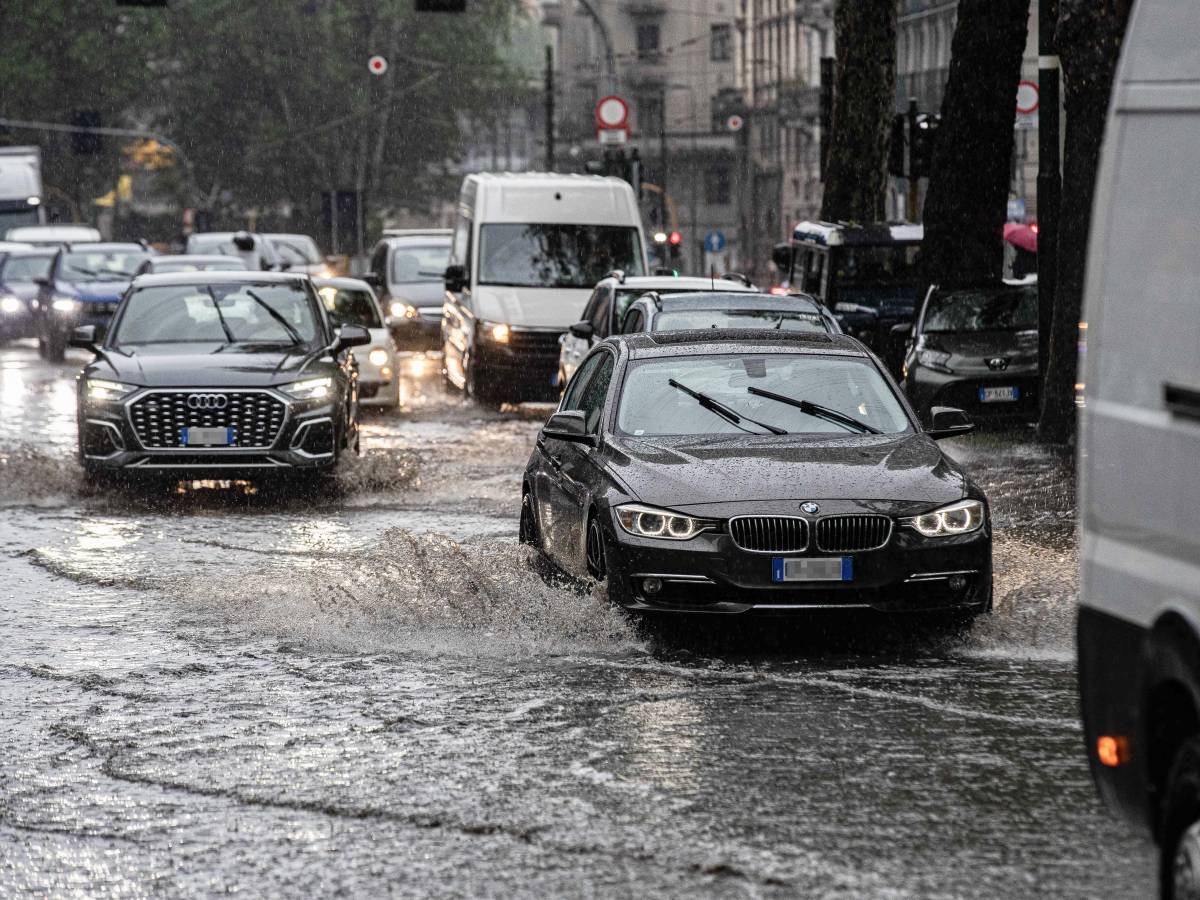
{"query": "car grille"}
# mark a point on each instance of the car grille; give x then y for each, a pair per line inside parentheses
(542, 345)
(254, 416)
(845, 534)
(769, 534)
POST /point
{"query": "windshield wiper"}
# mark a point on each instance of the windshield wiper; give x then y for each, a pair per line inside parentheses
(818, 411)
(716, 406)
(221, 318)
(274, 314)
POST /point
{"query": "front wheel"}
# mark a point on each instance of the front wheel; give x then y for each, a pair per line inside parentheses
(1179, 861)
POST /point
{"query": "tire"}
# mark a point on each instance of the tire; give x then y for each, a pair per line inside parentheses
(597, 554)
(478, 389)
(55, 348)
(528, 529)
(1179, 859)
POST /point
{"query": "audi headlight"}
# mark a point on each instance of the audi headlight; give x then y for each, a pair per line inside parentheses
(398, 309)
(309, 389)
(10, 304)
(107, 391)
(957, 518)
(378, 357)
(64, 304)
(649, 521)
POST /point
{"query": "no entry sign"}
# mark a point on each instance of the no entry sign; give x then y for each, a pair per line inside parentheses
(1027, 98)
(376, 65)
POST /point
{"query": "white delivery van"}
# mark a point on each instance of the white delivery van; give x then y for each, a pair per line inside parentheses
(525, 254)
(1139, 446)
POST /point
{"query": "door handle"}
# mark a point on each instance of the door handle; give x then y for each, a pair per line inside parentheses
(1182, 401)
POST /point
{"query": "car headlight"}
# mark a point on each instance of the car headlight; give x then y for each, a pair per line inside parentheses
(496, 331)
(106, 391)
(398, 309)
(10, 304)
(64, 304)
(934, 359)
(309, 389)
(378, 357)
(957, 518)
(649, 521)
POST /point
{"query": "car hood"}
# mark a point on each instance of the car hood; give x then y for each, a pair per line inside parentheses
(93, 291)
(970, 352)
(696, 474)
(151, 366)
(419, 293)
(533, 307)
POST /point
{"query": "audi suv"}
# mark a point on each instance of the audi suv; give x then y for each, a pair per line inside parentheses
(218, 374)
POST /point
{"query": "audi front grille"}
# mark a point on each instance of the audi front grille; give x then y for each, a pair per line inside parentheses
(769, 534)
(159, 417)
(846, 534)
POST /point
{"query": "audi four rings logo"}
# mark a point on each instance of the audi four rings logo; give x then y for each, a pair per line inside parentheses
(207, 401)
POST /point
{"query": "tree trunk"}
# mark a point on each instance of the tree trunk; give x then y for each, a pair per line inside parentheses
(973, 147)
(1088, 39)
(856, 181)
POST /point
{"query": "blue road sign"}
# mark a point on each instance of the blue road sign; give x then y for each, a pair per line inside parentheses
(714, 241)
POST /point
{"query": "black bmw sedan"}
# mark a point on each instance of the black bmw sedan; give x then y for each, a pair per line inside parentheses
(746, 471)
(218, 374)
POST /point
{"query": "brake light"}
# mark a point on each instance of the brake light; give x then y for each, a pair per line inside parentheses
(1112, 750)
(779, 291)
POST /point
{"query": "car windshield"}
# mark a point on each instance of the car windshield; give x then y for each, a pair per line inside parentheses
(992, 309)
(556, 255)
(297, 249)
(25, 268)
(876, 265)
(423, 263)
(852, 386)
(347, 306)
(101, 265)
(778, 319)
(221, 313)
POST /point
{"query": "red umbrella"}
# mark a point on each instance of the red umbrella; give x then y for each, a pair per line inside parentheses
(1023, 237)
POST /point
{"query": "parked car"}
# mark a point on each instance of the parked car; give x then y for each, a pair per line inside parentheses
(350, 301)
(687, 312)
(255, 251)
(299, 253)
(53, 235)
(976, 349)
(744, 471)
(19, 274)
(85, 284)
(611, 297)
(407, 266)
(219, 374)
(1139, 445)
(161, 265)
(526, 253)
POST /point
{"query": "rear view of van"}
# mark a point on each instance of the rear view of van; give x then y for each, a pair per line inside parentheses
(525, 254)
(1139, 451)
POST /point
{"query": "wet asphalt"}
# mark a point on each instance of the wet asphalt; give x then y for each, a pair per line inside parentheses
(216, 689)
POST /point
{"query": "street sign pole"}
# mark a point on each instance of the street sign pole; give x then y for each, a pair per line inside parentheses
(1049, 180)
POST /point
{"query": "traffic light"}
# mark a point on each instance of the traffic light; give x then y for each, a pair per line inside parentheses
(923, 137)
(896, 146)
(674, 241)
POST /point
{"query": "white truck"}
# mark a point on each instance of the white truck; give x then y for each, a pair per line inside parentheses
(20, 188)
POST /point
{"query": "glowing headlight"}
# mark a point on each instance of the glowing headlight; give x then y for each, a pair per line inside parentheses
(65, 305)
(648, 521)
(498, 333)
(10, 304)
(378, 357)
(309, 389)
(957, 518)
(105, 391)
(398, 309)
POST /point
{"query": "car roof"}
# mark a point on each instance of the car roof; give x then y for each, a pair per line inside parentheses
(415, 238)
(104, 247)
(675, 283)
(704, 341)
(43, 252)
(282, 235)
(737, 300)
(230, 277)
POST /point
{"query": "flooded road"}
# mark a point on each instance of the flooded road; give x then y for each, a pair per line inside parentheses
(372, 692)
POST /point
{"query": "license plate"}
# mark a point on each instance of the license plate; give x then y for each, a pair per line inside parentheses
(837, 568)
(999, 394)
(207, 437)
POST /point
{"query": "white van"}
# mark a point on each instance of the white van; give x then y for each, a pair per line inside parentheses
(1139, 446)
(525, 254)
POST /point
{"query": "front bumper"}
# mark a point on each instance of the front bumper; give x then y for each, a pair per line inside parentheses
(525, 368)
(711, 574)
(927, 388)
(421, 333)
(307, 440)
(98, 314)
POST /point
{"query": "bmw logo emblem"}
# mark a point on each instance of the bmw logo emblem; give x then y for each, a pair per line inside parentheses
(810, 507)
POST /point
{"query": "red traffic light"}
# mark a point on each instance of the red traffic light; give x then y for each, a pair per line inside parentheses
(675, 239)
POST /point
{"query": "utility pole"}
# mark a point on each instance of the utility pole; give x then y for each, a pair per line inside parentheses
(1049, 179)
(662, 155)
(549, 108)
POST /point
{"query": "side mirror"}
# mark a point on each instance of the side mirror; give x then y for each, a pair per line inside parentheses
(568, 426)
(582, 330)
(781, 255)
(945, 421)
(455, 277)
(902, 329)
(351, 336)
(84, 337)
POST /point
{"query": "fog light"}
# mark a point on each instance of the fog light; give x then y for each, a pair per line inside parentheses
(958, 582)
(652, 585)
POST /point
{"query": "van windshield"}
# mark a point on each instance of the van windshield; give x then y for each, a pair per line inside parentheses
(556, 255)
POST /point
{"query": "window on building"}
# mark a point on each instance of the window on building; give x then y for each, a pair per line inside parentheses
(721, 47)
(718, 186)
(647, 38)
(649, 110)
